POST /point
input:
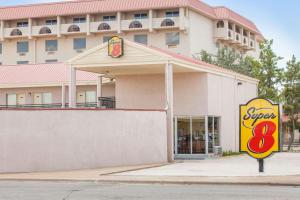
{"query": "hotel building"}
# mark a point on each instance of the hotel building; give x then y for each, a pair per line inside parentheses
(54, 55)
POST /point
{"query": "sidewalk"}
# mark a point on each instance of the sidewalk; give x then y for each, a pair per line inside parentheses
(281, 169)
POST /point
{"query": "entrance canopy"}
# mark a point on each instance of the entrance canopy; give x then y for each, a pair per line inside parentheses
(141, 59)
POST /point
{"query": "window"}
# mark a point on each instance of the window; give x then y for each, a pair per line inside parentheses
(0, 48)
(47, 98)
(51, 45)
(22, 62)
(106, 38)
(172, 39)
(78, 20)
(22, 47)
(220, 24)
(142, 39)
(22, 24)
(109, 18)
(79, 43)
(52, 61)
(172, 14)
(141, 16)
(51, 22)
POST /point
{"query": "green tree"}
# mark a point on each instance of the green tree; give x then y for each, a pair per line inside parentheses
(267, 71)
(291, 95)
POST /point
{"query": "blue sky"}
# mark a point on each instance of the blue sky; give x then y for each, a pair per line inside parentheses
(277, 19)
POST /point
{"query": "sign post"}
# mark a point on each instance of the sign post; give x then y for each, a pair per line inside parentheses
(259, 129)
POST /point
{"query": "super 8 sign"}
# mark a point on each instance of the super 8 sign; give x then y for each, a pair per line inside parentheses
(115, 47)
(259, 128)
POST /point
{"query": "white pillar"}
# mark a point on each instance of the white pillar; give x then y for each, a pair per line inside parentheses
(88, 23)
(63, 95)
(226, 24)
(58, 26)
(119, 25)
(181, 19)
(151, 20)
(99, 90)
(1, 30)
(72, 87)
(169, 107)
(206, 135)
(30, 28)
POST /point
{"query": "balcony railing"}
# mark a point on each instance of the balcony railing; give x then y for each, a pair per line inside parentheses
(103, 26)
(135, 24)
(44, 30)
(163, 23)
(73, 28)
(16, 32)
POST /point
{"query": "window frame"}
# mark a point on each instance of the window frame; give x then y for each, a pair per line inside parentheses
(168, 39)
(55, 47)
(79, 48)
(19, 48)
(140, 35)
(79, 20)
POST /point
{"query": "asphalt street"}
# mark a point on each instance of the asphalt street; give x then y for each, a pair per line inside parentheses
(18, 190)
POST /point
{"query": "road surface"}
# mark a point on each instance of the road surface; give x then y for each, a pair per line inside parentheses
(17, 190)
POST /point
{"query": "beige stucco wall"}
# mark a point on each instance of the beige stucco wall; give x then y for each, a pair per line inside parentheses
(148, 92)
(201, 34)
(70, 139)
(108, 90)
(224, 98)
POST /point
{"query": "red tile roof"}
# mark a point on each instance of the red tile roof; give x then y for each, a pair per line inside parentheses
(99, 6)
(40, 74)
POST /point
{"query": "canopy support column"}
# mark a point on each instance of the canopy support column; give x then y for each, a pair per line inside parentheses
(169, 108)
(72, 87)
(99, 91)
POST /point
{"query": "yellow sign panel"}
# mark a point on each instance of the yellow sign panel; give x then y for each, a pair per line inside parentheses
(115, 47)
(259, 128)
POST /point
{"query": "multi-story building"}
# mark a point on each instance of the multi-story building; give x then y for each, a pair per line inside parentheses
(40, 42)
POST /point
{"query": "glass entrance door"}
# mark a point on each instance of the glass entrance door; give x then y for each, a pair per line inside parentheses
(183, 136)
(198, 135)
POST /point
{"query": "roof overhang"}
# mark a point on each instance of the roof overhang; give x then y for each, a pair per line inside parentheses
(141, 59)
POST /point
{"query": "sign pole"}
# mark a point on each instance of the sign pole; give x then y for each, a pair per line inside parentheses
(261, 165)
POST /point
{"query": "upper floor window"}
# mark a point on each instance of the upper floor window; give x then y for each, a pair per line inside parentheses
(238, 29)
(51, 61)
(142, 39)
(79, 43)
(141, 16)
(109, 18)
(22, 24)
(230, 26)
(51, 45)
(220, 24)
(23, 62)
(172, 13)
(106, 38)
(172, 39)
(78, 20)
(0, 48)
(22, 47)
(51, 22)
(42, 98)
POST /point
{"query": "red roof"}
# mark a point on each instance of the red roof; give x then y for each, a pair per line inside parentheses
(99, 6)
(40, 74)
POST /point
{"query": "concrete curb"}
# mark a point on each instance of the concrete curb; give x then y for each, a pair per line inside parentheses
(269, 181)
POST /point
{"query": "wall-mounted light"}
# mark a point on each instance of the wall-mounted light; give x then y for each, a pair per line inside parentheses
(240, 83)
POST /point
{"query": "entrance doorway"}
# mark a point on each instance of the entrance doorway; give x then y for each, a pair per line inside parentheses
(196, 137)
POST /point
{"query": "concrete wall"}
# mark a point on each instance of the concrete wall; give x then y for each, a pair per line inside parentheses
(76, 139)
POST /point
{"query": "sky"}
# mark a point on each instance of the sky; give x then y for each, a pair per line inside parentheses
(276, 19)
